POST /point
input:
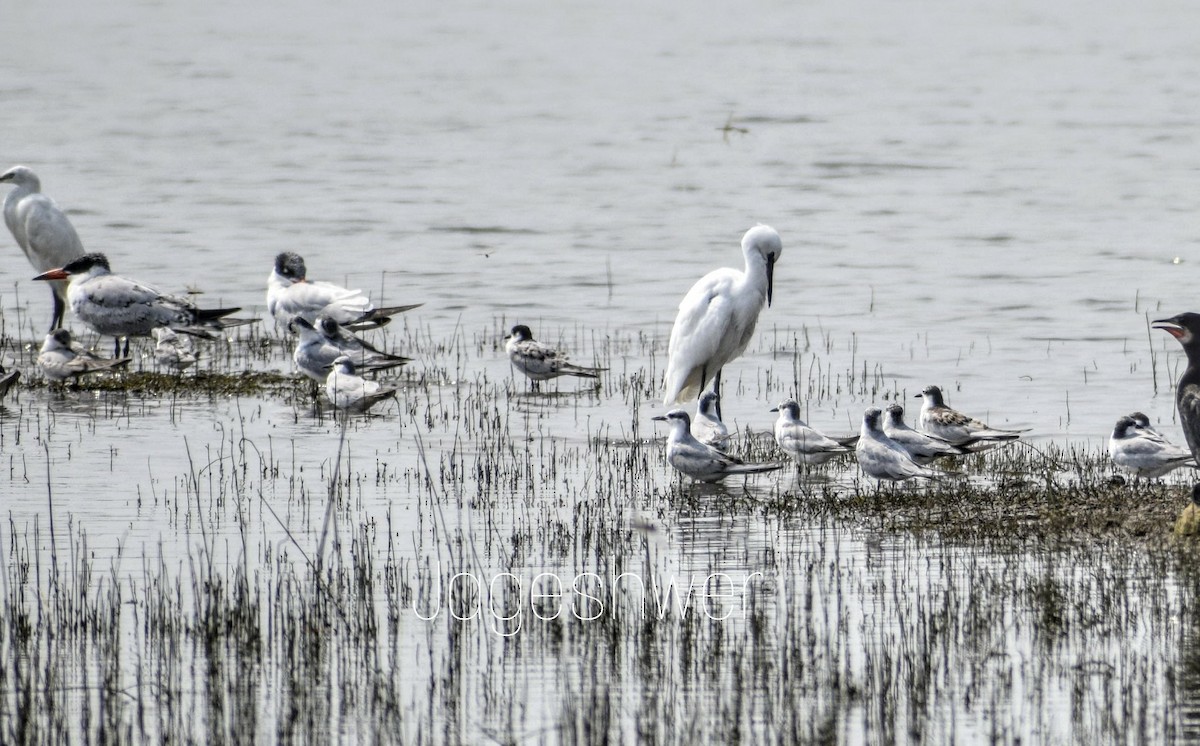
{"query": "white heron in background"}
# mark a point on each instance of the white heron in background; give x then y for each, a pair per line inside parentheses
(42, 230)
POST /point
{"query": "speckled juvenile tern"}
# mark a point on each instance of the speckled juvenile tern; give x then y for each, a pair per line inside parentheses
(956, 428)
(541, 362)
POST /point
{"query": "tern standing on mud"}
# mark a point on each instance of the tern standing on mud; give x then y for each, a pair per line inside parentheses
(702, 462)
(956, 428)
(290, 294)
(883, 458)
(1142, 450)
(717, 318)
(42, 230)
(116, 306)
(541, 362)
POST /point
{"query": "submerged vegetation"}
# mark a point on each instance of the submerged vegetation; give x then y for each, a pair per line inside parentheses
(479, 563)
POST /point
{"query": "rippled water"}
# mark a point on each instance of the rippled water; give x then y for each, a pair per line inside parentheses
(994, 198)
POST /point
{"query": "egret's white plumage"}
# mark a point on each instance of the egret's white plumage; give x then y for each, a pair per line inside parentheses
(881, 457)
(706, 426)
(702, 462)
(290, 295)
(61, 358)
(956, 428)
(41, 229)
(804, 444)
(921, 447)
(116, 306)
(541, 362)
(346, 389)
(1141, 450)
(322, 343)
(716, 318)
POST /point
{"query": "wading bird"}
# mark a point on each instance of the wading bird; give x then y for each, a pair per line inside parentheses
(290, 294)
(541, 362)
(716, 318)
(922, 448)
(1185, 327)
(956, 428)
(347, 390)
(1143, 451)
(701, 462)
(881, 457)
(42, 231)
(62, 358)
(806, 445)
(116, 306)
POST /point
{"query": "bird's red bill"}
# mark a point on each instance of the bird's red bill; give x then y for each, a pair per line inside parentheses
(54, 274)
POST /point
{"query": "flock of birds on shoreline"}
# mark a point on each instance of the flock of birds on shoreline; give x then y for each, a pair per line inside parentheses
(714, 325)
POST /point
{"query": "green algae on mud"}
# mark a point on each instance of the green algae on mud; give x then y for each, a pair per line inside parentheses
(200, 384)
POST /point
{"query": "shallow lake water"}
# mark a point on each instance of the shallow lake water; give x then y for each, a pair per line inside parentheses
(992, 198)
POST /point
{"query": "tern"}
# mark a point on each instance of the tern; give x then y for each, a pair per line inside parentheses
(172, 350)
(882, 458)
(707, 426)
(956, 428)
(806, 445)
(62, 358)
(291, 295)
(1143, 451)
(717, 318)
(1185, 327)
(541, 362)
(116, 306)
(42, 230)
(347, 390)
(701, 462)
(323, 343)
(922, 448)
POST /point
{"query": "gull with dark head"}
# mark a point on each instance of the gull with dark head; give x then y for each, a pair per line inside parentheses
(1185, 327)
(707, 426)
(717, 317)
(956, 428)
(922, 448)
(701, 462)
(41, 229)
(881, 457)
(116, 306)
(322, 343)
(291, 295)
(806, 445)
(61, 358)
(541, 362)
(1143, 451)
(347, 390)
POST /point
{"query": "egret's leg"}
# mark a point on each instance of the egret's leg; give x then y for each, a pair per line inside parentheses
(717, 391)
(60, 310)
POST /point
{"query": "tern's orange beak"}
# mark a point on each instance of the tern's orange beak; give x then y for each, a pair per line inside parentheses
(54, 274)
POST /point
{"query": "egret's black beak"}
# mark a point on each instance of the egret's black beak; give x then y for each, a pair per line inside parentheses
(770, 277)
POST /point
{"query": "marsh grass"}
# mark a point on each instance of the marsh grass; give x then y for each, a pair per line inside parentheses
(313, 577)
